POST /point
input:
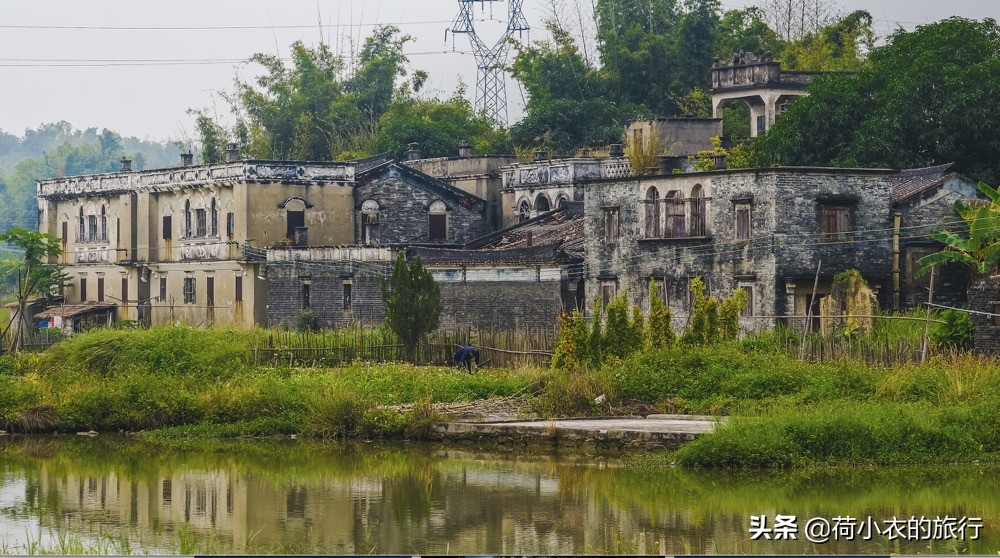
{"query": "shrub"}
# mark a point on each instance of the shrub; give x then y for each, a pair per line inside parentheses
(958, 331)
(306, 320)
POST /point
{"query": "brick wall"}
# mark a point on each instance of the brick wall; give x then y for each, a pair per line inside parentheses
(326, 294)
(984, 296)
(501, 305)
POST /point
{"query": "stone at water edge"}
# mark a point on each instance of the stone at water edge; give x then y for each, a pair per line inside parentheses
(90, 433)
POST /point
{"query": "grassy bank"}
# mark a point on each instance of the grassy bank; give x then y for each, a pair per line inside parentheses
(184, 382)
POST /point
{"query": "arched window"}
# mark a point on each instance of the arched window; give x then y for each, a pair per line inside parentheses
(81, 231)
(561, 202)
(295, 210)
(369, 222)
(214, 219)
(675, 214)
(697, 212)
(437, 221)
(104, 223)
(523, 211)
(542, 203)
(652, 212)
(187, 218)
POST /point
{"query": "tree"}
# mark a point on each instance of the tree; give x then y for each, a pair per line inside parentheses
(35, 277)
(438, 126)
(412, 302)
(979, 247)
(745, 30)
(925, 98)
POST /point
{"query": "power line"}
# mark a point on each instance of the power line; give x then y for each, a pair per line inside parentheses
(112, 62)
(209, 27)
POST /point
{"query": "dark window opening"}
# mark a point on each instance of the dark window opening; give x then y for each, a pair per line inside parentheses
(81, 230)
(542, 204)
(230, 224)
(369, 228)
(187, 219)
(675, 215)
(83, 289)
(200, 222)
(167, 227)
(652, 213)
(347, 296)
(65, 232)
(189, 290)
(91, 228)
(124, 291)
(761, 124)
(305, 295)
(239, 289)
(210, 291)
(214, 230)
(104, 224)
(163, 289)
(698, 211)
(296, 219)
(438, 225)
(523, 211)
(100, 289)
(611, 225)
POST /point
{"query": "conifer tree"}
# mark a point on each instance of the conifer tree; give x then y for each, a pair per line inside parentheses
(412, 302)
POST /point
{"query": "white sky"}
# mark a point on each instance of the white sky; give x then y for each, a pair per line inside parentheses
(151, 100)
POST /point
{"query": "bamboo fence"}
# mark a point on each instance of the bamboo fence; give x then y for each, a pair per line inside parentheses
(348, 344)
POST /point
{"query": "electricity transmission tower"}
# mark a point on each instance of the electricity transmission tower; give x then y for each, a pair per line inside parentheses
(491, 89)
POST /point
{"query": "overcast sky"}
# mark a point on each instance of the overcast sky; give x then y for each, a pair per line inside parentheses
(44, 79)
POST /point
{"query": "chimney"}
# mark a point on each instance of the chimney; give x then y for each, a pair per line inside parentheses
(616, 150)
(540, 155)
(232, 153)
(412, 151)
(527, 238)
(464, 149)
(126, 164)
(187, 159)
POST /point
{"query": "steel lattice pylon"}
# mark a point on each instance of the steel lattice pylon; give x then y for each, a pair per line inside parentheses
(491, 88)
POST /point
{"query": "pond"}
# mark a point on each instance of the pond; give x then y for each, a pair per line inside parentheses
(70, 494)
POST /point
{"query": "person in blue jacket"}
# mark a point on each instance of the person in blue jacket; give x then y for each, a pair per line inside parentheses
(466, 356)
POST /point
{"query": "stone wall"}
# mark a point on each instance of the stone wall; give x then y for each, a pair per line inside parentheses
(326, 293)
(501, 305)
(984, 296)
(404, 203)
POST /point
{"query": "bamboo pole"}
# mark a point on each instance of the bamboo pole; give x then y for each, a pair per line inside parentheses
(927, 324)
(812, 302)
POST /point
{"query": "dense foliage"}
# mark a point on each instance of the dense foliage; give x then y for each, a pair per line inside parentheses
(412, 301)
(925, 98)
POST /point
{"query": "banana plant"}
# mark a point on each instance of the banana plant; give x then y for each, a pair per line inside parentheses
(979, 247)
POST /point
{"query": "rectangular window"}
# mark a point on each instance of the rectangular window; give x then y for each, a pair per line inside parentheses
(996, 318)
(438, 226)
(743, 222)
(189, 290)
(748, 311)
(83, 289)
(215, 223)
(65, 232)
(369, 228)
(296, 219)
(81, 232)
(210, 291)
(836, 221)
(347, 296)
(100, 289)
(239, 289)
(167, 227)
(609, 288)
(611, 225)
(761, 124)
(163, 289)
(230, 224)
(124, 291)
(305, 294)
(91, 228)
(199, 223)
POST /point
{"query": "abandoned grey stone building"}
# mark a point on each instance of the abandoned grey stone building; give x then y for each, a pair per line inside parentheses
(522, 277)
(478, 175)
(763, 231)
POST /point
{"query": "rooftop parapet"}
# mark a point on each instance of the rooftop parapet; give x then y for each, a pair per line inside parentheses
(745, 70)
(180, 177)
(564, 171)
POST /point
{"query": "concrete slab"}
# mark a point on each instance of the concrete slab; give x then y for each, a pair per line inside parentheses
(655, 430)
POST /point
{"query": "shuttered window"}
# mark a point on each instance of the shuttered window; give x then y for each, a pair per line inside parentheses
(836, 221)
(742, 222)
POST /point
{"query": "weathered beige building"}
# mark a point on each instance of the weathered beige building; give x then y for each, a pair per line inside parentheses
(182, 244)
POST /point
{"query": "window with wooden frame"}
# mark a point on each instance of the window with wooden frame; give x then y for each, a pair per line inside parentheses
(742, 226)
(699, 210)
(836, 221)
(200, 218)
(675, 214)
(230, 224)
(348, 295)
(190, 292)
(610, 226)
(609, 289)
(124, 291)
(652, 202)
(369, 222)
(100, 289)
(83, 288)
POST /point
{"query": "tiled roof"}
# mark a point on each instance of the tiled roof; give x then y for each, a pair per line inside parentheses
(457, 256)
(562, 227)
(910, 182)
(71, 310)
